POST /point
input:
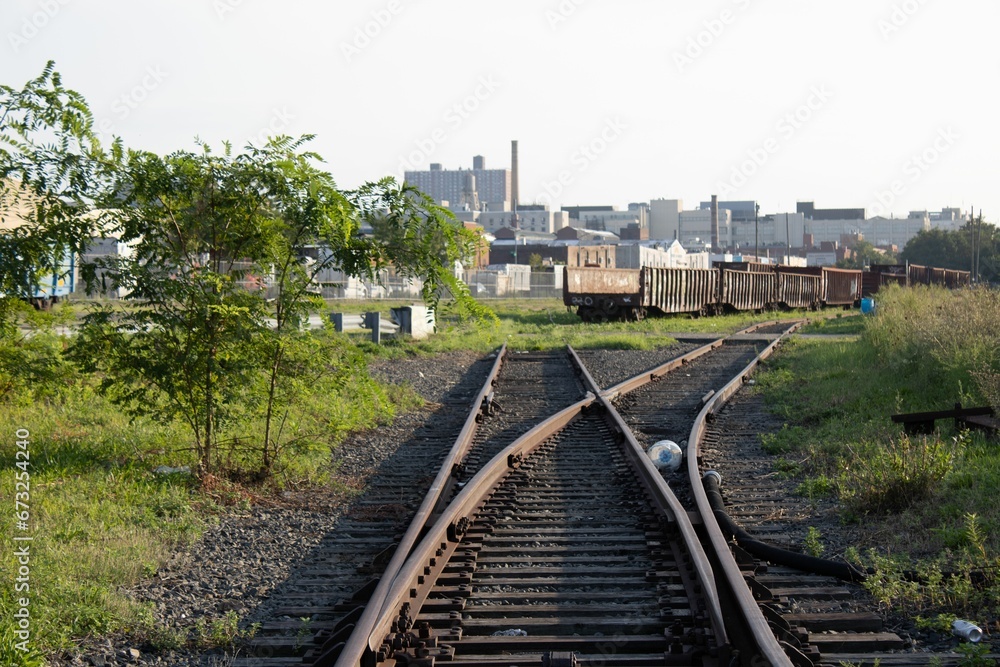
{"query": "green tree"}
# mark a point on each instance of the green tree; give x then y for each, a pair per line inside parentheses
(953, 249)
(220, 284)
(47, 180)
(866, 254)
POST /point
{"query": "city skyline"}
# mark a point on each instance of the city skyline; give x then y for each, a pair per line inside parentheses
(880, 104)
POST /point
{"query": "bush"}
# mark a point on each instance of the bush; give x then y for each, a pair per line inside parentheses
(940, 337)
(887, 478)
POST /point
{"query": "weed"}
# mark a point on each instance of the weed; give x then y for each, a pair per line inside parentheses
(11, 652)
(936, 623)
(304, 631)
(817, 487)
(975, 655)
(814, 543)
(787, 469)
(889, 478)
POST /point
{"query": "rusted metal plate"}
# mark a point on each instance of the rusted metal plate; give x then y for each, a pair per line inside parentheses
(584, 280)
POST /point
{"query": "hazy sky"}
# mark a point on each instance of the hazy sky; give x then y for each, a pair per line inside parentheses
(886, 104)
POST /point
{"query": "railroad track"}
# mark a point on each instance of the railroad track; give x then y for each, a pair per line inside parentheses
(557, 542)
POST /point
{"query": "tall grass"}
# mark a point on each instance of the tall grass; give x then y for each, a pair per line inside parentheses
(924, 349)
(939, 335)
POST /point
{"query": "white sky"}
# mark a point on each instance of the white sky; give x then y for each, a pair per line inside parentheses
(611, 102)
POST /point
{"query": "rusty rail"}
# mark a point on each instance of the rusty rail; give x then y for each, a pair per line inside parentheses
(408, 578)
(761, 639)
(666, 502)
(357, 644)
(413, 582)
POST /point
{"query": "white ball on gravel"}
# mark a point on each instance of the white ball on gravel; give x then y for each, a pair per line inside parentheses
(665, 455)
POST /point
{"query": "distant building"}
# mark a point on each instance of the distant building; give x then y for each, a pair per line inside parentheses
(533, 218)
(740, 211)
(664, 218)
(613, 221)
(878, 231)
(695, 228)
(453, 185)
(809, 210)
(575, 211)
(772, 229)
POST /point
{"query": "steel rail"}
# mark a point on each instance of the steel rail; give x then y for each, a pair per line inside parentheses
(357, 644)
(762, 637)
(445, 535)
(666, 502)
(634, 383)
(373, 625)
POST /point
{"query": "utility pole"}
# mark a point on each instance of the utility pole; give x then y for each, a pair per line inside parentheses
(788, 242)
(756, 232)
(979, 242)
(972, 244)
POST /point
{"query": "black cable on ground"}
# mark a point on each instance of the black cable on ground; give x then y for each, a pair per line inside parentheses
(773, 554)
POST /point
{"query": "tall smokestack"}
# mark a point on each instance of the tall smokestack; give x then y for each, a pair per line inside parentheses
(513, 174)
(715, 223)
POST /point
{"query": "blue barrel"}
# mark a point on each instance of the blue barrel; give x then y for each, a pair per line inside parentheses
(867, 306)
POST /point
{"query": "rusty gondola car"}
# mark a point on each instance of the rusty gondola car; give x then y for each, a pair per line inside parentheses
(746, 290)
(797, 287)
(630, 294)
(603, 294)
(680, 290)
(841, 287)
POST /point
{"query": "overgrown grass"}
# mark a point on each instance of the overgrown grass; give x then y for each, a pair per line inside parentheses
(924, 349)
(99, 517)
(839, 324)
(540, 324)
(102, 519)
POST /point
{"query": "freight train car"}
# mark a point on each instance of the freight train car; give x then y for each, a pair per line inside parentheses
(746, 290)
(928, 275)
(630, 294)
(678, 290)
(797, 289)
(841, 287)
(603, 294)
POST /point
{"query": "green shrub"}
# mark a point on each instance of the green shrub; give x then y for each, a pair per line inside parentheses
(886, 478)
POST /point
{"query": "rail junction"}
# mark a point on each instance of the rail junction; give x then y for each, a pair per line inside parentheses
(548, 537)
